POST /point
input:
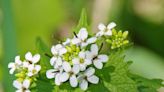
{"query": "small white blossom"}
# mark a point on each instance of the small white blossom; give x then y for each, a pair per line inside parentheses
(56, 62)
(55, 73)
(15, 65)
(31, 59)
(81, 38)
(22, 86)
(82, 60)
(70, 73)
(33, 70)
(58, 50)
(87, 76)
(105, 30)
(97, 59)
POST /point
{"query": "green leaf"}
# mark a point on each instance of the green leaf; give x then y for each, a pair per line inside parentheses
(146, 85)
(82, 22)
(118, 80)
(44, 86)
(45, 60)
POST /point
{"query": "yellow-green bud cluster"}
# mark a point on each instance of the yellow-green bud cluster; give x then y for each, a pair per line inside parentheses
(72, 51)
(118, 39)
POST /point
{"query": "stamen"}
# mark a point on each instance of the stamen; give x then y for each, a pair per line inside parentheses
(75, 34)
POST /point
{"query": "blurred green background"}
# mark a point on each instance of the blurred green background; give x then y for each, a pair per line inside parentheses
(22, 21)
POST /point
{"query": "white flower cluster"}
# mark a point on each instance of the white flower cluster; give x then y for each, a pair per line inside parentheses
(75, 59)
(25, 70)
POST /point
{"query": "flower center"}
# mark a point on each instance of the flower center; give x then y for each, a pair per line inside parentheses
(81, 60)
(72, 52)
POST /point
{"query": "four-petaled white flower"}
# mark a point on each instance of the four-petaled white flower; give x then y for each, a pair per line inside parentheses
(58, 50)
(81, 38)
(55, 73)
(87, 76)
(70, 73)
(30, 59)
(97, 59)
(107, 31)
(22, 86)
(15, 65)
(82, 60)
(33, 70)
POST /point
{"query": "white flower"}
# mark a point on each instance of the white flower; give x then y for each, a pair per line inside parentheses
(70, 73)
(33, 70)
(22, 86)
(88, 76)
(82, 60)
(55, 73)
(97, 60)
(105, 30)
(58, 50)
(15, 65)
(56, 61)
(81, 38)
(30, 59)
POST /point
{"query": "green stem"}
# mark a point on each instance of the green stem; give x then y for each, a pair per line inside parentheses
(9, 44)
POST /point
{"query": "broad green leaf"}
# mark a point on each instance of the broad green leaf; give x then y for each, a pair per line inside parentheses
(146, 85)
(45, 60)
(118, 80)
(82, 22)
(43, 86)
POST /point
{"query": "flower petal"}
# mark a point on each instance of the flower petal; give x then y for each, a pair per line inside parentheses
(83, 34)
(53, 50)
(103, 58)
(59, 61)
(26, 64)
(90, 71)
(91, 40)
(37, 68)
(93, 79)
(28, 56)
(36, 58)
(62, 51)
(98, 64)
(76, 61)
(84, 85)
(82, 54)
(73, 81)
(75, 69)
(26, 83)
(17, 84)
(58, 46)
(12, 70)
(66, 66)
(109, 33)
(64, 77)
(57, 80)
(75, 41)
(11, 65)
(17, 60)
(94, 49)
(51, 73)
(53, 60)
(82, 67)
(111, 25)
(100, 33)
(101, 27)
(27, 90)
(67, 41)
